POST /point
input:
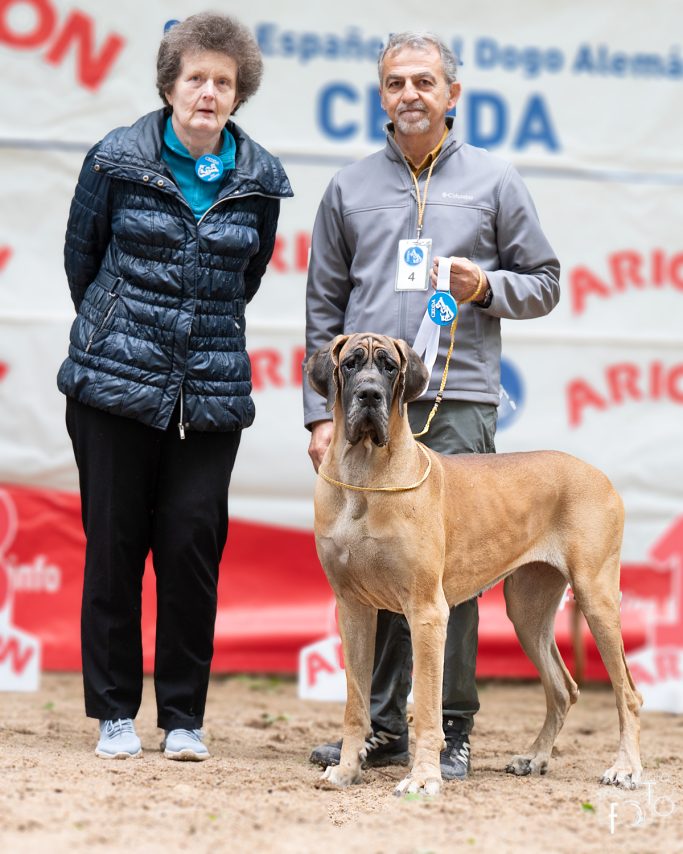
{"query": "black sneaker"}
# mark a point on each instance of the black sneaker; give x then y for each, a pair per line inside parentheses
(384, 748)
(455, 758)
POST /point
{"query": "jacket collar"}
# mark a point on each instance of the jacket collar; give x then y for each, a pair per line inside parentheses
(393, 151)
(256, 167)
(138, 148)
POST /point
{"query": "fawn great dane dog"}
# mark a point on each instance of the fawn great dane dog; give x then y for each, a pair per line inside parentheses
(400, 527)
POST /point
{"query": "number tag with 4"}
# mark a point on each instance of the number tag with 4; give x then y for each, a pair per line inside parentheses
(413, 264)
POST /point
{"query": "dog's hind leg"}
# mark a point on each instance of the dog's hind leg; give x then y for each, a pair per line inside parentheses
(532, 595)
(598, 598)
(357, 625)
(428, 622)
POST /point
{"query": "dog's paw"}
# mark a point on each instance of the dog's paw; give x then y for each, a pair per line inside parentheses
(522, 766)
(622, 776)
(419, 784)
(337, 777)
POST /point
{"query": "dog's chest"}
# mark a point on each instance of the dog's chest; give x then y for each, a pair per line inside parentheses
(365, 554)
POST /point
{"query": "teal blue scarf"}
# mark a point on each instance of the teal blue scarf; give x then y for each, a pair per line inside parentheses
(200, 195)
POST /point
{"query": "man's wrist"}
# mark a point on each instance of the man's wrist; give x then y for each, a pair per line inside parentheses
(482, 294)
(486, 297)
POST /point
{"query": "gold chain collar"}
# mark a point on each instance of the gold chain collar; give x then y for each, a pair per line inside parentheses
(422, 479)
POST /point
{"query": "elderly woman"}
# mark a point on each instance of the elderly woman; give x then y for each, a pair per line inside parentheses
(171, 228)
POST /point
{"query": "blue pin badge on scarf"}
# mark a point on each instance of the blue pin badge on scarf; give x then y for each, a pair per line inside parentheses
(209, 168)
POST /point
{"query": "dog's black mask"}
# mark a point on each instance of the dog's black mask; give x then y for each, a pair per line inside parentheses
(368, 378)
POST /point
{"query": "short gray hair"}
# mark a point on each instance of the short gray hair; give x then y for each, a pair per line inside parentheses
(421, 41)
(208, 31)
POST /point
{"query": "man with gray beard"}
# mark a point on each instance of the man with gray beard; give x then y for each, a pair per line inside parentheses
(385, 226)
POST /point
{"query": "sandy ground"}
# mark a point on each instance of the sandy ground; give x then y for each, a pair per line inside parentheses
(258, 793)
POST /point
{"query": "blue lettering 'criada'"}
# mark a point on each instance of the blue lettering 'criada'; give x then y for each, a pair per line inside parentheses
(603, 61)
(345, 112)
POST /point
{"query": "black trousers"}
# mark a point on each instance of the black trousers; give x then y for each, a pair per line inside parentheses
(459, 427)
(142, 489)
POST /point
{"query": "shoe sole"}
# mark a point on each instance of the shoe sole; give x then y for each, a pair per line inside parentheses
(447, 773)
(382, 762)
(121, 755)
(454, 776)
(186, 755)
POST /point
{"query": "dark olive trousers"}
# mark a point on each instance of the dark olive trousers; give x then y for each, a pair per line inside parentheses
(145, 489)
(459, 427)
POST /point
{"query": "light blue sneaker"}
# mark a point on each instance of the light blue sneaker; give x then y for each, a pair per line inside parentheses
(118, 740)
(185, 745)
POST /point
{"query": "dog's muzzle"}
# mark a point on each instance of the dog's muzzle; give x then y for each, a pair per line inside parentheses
(367, 414)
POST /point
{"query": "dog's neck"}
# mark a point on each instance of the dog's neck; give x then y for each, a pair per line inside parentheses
(397, 463)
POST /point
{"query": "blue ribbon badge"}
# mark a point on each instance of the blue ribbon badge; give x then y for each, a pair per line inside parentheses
(209, 168)
(442, 308)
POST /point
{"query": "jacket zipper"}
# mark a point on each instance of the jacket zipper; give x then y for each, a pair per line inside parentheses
(181, 425)
(110, 309)
(181, 422)
(403, 304)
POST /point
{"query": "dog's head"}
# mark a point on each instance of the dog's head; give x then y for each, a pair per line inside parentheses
(367, 374)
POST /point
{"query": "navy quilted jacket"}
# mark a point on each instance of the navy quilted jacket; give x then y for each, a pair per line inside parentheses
(160, 297)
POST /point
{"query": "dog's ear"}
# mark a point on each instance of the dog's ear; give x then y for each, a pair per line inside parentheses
(413, 377)
(323, 370)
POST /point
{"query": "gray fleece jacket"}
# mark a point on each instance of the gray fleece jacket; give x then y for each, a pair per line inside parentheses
(478, 208)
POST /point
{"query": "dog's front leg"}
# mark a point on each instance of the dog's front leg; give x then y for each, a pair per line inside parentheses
(428, 623)
(357, 625)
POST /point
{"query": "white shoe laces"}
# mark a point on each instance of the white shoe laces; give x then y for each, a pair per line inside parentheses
(123, 726)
